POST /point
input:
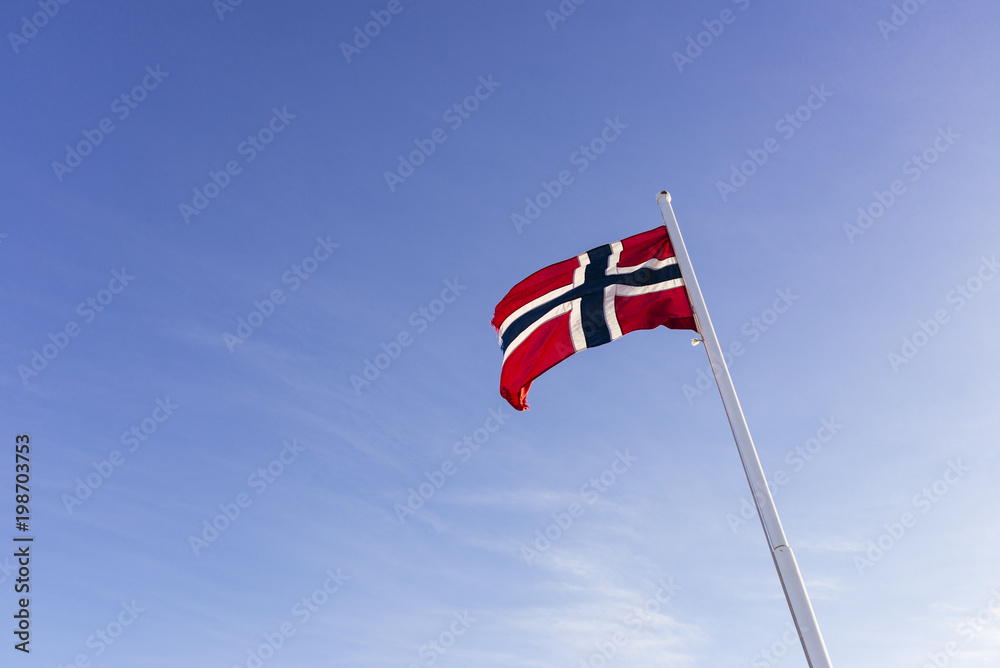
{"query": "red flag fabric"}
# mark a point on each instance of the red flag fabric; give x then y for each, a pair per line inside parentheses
(585, 302)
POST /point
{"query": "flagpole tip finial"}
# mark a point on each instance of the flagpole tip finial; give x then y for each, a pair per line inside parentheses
(664, 195)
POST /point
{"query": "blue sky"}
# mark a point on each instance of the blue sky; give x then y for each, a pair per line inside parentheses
(190, 290)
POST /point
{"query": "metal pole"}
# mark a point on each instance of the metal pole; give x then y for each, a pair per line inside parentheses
(784, 560)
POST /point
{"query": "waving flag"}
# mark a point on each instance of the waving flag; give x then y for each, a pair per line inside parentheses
(639, 283)
(585, 302)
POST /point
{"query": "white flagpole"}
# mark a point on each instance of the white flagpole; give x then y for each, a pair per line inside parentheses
(784, 560)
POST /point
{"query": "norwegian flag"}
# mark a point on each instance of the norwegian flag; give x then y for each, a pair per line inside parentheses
(585, 302)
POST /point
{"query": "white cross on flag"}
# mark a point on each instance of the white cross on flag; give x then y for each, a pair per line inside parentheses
(585, 302)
